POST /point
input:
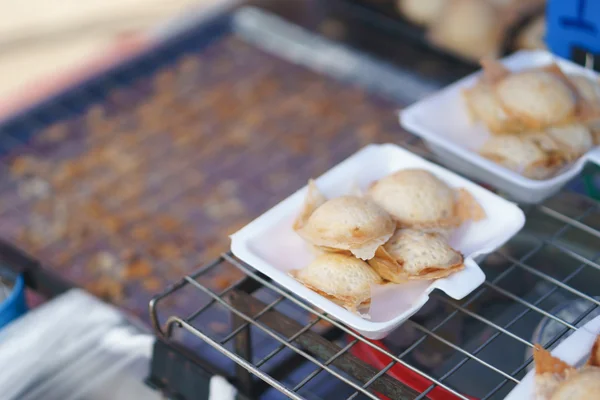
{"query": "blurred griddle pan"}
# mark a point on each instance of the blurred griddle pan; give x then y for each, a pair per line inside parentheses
(427, 66)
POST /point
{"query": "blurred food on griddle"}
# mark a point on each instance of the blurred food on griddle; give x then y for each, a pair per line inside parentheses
(470, 29)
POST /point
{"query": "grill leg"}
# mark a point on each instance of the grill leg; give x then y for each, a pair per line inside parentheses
(321, 347)
(243, 348)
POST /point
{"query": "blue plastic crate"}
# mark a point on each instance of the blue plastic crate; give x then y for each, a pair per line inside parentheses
(573, 29)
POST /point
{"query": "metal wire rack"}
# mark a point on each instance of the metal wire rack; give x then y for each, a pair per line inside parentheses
(298, 329)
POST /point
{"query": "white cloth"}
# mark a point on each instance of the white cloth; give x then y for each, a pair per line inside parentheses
(76, 347)
(220, 389)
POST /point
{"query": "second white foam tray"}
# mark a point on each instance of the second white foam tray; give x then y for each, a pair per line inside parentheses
(442, 121)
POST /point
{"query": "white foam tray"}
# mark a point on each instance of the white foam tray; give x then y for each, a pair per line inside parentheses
(574, 350)
(270, 245)
(441, 120)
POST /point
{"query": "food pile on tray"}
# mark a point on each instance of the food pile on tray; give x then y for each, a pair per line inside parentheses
(398, 231)
(541, 119)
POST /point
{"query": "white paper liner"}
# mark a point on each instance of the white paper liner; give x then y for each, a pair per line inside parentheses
(403, 296)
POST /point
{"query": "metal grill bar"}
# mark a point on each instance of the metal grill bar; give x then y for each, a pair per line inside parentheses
(320, 346)
(528, 304)
(290, 340)
(176, 286)
(462, 351)
(374, 378)
(548, 278)
(246, 270)
(278, 338)
(328, 362)
(477, 295)
(496, 334)
(563, 330)
(576, 256)
(484, 320)
(253, 318)
(568, 220)
(239, 360)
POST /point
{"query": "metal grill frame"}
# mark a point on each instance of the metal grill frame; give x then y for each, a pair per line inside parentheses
(248, 312)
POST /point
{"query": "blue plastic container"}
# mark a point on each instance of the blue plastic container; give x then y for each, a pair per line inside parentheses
(573, 28)
(14, 305)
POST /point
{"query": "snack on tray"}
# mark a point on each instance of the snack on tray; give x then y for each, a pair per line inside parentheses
(421, 12)
(589, 90)
(572, 141)
(400, 226)
(584, 384)
(549, 373)
(343, 279)
(482, 106)
(553, 118)
(417, 198)
(413, 254)
(556, 380)
(522, 154)
(535, 100)
(527, 100)
(348, 223)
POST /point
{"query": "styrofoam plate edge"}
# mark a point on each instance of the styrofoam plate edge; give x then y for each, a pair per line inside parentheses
(241, 251)
(457, 286)
(521, 59)
(574, 350)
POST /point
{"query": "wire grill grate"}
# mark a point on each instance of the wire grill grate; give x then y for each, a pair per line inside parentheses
(563, 231)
